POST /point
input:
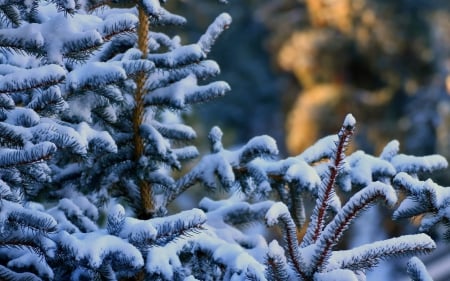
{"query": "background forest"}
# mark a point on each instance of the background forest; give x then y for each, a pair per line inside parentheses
(380, 58)
(388, 62)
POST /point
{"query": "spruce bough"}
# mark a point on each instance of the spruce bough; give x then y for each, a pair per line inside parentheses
(90, 134)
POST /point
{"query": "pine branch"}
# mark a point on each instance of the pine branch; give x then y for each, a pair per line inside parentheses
(48, 102)
(296, 206)
(80, 48)
(418, 164)
(11, 41)
(181, 56)
(93, 249)
(369, 255)
(29, 79)
(422, 197)
(335, 229)
(11, 13)
(326, 189)
(163, 77)
(213, 32)
(7, 274)
(224, 164)
(32, 154)
(95, 75)
(118, 26)
(277, 267)
(279, 212)
(417, 270)
(160, 231)
(10, 136)
(235, 213)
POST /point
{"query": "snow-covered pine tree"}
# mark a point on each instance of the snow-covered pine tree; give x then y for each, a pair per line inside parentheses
(318, 170)
(88, 92)
(88, 101)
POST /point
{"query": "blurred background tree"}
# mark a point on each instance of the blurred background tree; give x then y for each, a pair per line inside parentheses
(254, 105)
(384, 61)
(377, 59)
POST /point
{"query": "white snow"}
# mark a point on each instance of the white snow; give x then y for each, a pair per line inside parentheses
(264, 145)
(153, 7)
(180, 56)
(336, 275)
(416, 265)
(415, 164)
(163, 260)
(323, 148)
(94, 247)
(214, 30)
(25, 78)
(101, 138)
(276, 211)
(364, 167)
(390, 150)
(349, 121)
(276, 251)
(303, 173)
(94, 75)
(175, 93)
(32, 260)
(376, 251)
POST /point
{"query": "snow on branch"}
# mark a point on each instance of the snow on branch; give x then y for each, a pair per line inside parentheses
(152, 7)
(72, 217)
(422, 197)
(280, 213)
(221, 23)
(28, 79)
(48, 102)
(277, 267)
(29, 155)
(157, 231)
(417, 270)
(93, 249)
(94, 75)
(333, 232)
(223, 164)
(163, 77)
(80, 46)
(118, 24)
(13, 215)
(369, 255)
(418, 164)
(390, 150)
(8, 274)
(62, 136)
(367, 168)
(234, 213)
(23, 39)
(326, 189)
(183, 55)
(184, 92)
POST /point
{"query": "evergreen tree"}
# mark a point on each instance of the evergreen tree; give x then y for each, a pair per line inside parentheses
(90, 103)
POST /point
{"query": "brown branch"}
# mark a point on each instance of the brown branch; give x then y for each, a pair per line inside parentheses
(290, 231)
(327, 188)
(335, 229)
(147, 203)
